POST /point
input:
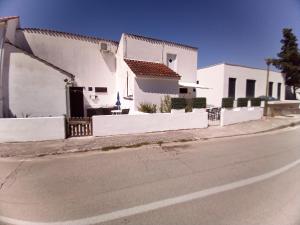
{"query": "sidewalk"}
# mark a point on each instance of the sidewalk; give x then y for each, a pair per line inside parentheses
(42, 148)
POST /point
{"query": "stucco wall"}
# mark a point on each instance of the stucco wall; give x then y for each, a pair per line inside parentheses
(126, 90)
(131, 124)
(212, 78)
(239, 115)
(153, 51)
(12, 25)
(91, 67)
(31, 87)
(32, 129)
(243, 73)
(2, 33)
(153, 90)
(217, 78)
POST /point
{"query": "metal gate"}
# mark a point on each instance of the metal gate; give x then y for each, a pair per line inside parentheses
(214, 115)
(79, 126)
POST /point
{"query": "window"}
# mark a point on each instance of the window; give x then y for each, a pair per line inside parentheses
(279, 91)
(270, 93)
(90, 88)
(231, 87)
(183, 90)
(101, 89)
(250, 88)
(172, 61)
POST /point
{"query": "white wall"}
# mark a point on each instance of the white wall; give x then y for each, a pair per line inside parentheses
(82, 58)
(239, 115)
(243, 73)
(123, 71)
(152, 90)
(156, 51)
(142, 90)
(12, 25)
(31, 87)
(217, 78)
(212, 78)
(32, 129)
(2, 38)
(131, 124)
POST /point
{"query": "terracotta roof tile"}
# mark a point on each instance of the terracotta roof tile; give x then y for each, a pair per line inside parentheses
(160, 41)
(67, 35)
(151, 69)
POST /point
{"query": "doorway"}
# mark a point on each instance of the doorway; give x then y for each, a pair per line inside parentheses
(76, 101)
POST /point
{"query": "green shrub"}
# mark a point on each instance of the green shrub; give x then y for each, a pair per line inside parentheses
(189, 105)
(165, 104)
(199, 103)
(256, 102)
(227, 102)
(242, 102)
(178, 103)
(147, 108)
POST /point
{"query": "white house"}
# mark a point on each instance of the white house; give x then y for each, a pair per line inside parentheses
(52, 73)
(229, 80)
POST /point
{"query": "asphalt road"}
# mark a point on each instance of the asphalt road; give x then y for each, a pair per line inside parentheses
(248, 180)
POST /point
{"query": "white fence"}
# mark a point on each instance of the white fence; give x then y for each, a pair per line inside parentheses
(32, 129)
(131, 124)
(239, 115)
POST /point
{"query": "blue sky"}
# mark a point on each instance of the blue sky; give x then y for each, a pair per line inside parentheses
(234, 31)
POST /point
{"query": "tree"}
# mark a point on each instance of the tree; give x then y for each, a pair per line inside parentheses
(288, 60)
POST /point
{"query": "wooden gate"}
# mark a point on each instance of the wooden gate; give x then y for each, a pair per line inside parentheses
(79, 126)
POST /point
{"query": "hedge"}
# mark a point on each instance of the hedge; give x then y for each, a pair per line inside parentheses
(242, 102)
(199, 103)
(256, 102)
(178, 103)
(227, 102)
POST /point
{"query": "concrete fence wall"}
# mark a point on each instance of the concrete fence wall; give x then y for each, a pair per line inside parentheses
(239, 115)
(32, 129)
(131, 124)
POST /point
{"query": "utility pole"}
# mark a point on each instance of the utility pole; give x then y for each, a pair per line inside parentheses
(268, 62)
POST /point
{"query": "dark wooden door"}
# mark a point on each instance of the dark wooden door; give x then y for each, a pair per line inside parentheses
(76, 101)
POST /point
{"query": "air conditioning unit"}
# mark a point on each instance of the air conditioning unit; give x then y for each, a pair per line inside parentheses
(104, 47)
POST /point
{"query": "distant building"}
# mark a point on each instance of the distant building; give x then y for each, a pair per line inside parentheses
(236, 81)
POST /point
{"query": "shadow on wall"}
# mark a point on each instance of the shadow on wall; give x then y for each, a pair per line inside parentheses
(159, 86)
(22, 42)
(110, 60)
(289, 93)
(7, 113)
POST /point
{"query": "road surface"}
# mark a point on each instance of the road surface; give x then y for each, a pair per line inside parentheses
(248, 180)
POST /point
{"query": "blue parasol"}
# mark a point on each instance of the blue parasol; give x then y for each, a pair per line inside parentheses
(118, 103)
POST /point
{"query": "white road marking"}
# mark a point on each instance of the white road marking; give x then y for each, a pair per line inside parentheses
(159, 204)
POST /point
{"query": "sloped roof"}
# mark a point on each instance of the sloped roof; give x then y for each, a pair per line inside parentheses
(159, 41)
(5, 18)
(67, 35)
(151, 69)
(42, 60)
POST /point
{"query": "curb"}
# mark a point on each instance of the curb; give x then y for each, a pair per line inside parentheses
(143, 143)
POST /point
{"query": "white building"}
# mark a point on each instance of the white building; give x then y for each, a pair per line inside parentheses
(51, 73)
(228, 80)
